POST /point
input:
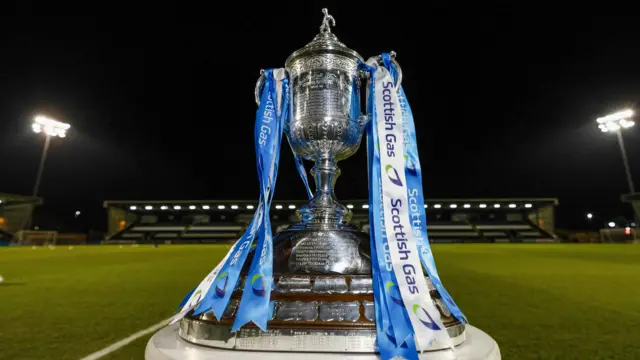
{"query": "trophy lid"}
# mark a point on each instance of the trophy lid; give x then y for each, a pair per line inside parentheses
(324, 43)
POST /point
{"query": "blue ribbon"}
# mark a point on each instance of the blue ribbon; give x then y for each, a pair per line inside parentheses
(303, 175)
(413, 173)
(255, 302)
(394, 333)
(266, 131)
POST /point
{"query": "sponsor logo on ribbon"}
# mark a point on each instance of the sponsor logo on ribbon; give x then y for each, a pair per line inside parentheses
(393, 175)
(431, 324)
(394, 292)
(258, 285)
(221, 284)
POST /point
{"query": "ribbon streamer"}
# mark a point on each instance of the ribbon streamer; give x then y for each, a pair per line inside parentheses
(259, 282)
(401, 242)
(215, 291)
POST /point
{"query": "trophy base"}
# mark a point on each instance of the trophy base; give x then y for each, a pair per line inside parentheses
(166, 344)
(322, 299)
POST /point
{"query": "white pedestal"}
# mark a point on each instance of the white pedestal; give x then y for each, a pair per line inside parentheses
(167, 345)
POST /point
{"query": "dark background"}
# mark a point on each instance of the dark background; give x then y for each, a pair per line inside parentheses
(160, 99)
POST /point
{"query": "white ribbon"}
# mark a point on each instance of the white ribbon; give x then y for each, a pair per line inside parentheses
(424, 316)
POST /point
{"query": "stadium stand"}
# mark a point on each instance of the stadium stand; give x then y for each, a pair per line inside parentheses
(15, 214)
(449, 220)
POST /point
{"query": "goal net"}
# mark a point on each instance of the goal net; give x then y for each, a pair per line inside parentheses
(35, 238)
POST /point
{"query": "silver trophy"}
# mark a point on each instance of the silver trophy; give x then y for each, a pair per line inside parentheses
(323, 296)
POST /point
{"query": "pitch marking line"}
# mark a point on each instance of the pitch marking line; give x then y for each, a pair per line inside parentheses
(126, 341)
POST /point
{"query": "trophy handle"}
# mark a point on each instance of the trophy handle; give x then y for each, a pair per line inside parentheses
(396, 64)
(259, 85)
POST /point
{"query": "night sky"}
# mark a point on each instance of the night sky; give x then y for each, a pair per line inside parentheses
(160, 100)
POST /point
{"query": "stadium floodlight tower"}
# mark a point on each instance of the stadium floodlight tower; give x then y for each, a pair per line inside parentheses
(50, 128)
(616, 123)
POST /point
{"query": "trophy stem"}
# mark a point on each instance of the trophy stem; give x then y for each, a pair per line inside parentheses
(324, 208)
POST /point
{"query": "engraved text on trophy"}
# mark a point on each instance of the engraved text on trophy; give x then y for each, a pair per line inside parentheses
(324, 253)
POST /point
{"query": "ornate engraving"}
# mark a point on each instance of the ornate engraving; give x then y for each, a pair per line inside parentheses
(324, 61)
(340, 311)
(303, 340)
(324, 253)
(331, 285)
(361, 285)
(297, 311)
(293, 284)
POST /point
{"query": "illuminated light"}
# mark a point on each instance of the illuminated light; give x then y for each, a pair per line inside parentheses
(148, 207)
(612, 224)
(349, 206)
(466, 206)
(291, 207)
(192, 207)
(278, 207)
(604, 129)
(482, 206)
(2, 220)
(250, 207)
(132, 207)
(78, 213)
(49, 126)
(627, 230)
(45, 121)
(164, 207)
(633, 224)
(602, 126)
(122, 224)
(221, 207)
(496, 206)
(365, 206)
(426, 206)
(613, 126)
(234, 207)
(177, 207)
(528, 205)
(620, 115)
(437, 206)
(453, 206)
(589, 216)
(206, 207)
(512, 206)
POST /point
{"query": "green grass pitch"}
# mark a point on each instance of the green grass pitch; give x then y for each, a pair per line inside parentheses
(538, 301)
